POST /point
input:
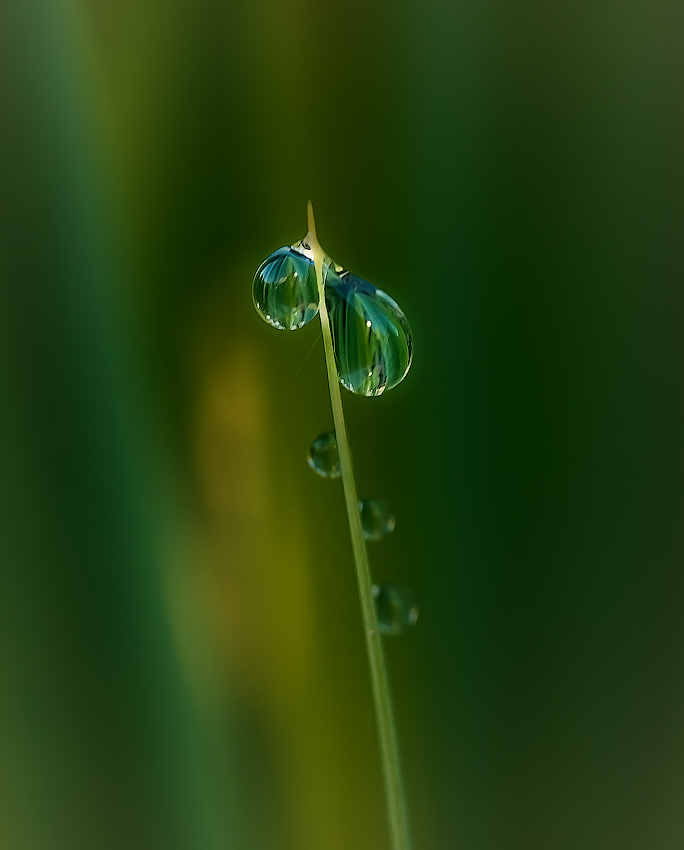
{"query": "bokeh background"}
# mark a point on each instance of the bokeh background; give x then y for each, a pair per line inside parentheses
(182, 665)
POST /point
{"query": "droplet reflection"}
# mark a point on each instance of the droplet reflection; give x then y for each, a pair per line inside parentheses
(377, 520)
(324, 457)
(371, 335)
(395, 608)
(285, 291)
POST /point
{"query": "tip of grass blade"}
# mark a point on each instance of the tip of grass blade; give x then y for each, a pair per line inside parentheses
(311, 221)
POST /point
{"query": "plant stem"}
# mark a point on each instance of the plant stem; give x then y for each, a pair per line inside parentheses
(384, 715)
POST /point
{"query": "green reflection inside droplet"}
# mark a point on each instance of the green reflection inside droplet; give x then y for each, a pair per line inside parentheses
(371, 335)
(377, 520)
(395, 607)
(323, 456)
(285, 291)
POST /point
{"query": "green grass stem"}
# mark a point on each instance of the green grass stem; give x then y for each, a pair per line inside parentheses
(382, 700)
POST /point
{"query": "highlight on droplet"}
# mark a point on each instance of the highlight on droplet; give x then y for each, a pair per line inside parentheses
(377, 520)
(371, 335)
(395, 608)
(323, 456)
(284, 290)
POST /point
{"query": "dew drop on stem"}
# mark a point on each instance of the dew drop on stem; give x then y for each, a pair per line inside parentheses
(377, 520)
(285, 291)
(371, 335)
(324, 457)
(395, 607)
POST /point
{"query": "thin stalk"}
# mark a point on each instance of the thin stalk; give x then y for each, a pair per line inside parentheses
(382, 700)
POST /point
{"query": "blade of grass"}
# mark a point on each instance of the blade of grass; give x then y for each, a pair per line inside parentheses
(382, 700)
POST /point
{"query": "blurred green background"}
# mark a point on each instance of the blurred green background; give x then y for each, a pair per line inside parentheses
(181, 659)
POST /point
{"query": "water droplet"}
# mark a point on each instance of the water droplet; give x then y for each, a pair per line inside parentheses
(395, 608)
(285, 291)
(377, 520)
(371, 335)
(323, 456)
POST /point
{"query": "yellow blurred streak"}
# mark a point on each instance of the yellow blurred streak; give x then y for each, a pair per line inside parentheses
(255, 572)
(254, 592)
(256, 568)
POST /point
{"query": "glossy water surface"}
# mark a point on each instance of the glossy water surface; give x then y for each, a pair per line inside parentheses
(395, 607)
(285, 291)
(324, 457)
(377, 520)
(371, 335)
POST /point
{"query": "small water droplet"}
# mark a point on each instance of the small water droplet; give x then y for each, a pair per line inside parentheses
(285, 291)
(377, 520)
(323, 456)
(371, 335)
(395, 608)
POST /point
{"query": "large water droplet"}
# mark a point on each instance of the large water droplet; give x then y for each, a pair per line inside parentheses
(285, 290)
(371, 335)
(323, 456)
(377, 520)
(395, 608)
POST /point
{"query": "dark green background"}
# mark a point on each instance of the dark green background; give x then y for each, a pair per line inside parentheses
(181, 659)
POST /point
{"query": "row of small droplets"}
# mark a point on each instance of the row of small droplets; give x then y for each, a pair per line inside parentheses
(395, 606)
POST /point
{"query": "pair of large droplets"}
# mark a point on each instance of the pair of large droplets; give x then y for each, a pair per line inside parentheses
(371, 336)
(373, 351)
